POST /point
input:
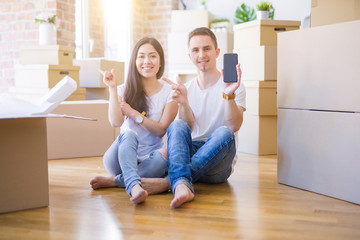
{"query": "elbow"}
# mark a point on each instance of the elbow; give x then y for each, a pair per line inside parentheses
(161, 133)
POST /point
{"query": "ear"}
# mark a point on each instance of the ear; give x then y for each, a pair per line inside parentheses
(217, 52)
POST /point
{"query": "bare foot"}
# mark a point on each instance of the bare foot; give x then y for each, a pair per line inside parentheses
(102, 182)
(138, 194)
(155, 185)
(182, 195)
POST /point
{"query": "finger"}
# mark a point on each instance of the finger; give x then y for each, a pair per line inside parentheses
(168, 81)
(178, 80)
(101, 71)
(112, 71)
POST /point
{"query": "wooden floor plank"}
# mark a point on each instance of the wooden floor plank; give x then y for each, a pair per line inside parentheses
(250, 205)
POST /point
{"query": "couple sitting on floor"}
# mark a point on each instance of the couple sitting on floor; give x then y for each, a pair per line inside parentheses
(201, 142)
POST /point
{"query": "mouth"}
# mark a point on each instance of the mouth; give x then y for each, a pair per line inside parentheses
(146, 68)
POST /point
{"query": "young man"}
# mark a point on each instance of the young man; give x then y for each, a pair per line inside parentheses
(201, 143)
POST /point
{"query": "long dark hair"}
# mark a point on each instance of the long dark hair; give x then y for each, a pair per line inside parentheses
(134, 89)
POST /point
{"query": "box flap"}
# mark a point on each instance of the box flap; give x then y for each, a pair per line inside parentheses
(13, 107)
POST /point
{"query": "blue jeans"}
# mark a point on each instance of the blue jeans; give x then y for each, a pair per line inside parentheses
(207, 161)
(120, 160)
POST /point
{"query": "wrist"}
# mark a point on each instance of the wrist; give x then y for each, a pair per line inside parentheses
(228, 96)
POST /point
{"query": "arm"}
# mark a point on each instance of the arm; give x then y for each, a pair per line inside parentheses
(179, 94)
(115, 115)
(233, 113)
(156, 128)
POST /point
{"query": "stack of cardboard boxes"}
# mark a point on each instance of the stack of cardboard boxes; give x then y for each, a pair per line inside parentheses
(255, 43)
(319, 103)
(41, 67)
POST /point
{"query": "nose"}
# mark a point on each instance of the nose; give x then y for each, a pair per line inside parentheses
(147, 59)
(201, 53)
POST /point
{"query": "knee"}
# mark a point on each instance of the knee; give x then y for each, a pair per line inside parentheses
(128, 135)
(178, 126)
(225, 133)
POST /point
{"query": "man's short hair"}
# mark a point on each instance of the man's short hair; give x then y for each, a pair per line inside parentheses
(203, 31)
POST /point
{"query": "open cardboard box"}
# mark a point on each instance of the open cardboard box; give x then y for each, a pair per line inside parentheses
(23, 147)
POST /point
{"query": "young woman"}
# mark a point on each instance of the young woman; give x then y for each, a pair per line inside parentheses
(143, 108)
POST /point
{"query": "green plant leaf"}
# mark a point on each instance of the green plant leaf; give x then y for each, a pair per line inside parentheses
(244, 13)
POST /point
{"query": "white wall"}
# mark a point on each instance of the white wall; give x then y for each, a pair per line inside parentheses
(284, 9)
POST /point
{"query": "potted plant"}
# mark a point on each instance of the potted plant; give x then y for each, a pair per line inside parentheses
(203, 4)
(48, 22)
(265, 10)
(222, 23)
(244, 13)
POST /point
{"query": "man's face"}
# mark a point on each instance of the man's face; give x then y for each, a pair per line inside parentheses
(203, 53)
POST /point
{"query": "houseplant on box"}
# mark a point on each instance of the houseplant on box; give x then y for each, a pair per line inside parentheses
(48, 22)
(265, 10)
(244, 13)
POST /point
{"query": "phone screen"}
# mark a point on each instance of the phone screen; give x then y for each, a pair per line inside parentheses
(230, 62)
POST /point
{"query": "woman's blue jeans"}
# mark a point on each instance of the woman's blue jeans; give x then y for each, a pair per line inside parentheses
(207, 161)
(120, 160)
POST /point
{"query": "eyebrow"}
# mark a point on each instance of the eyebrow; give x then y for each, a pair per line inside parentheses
(147, 53)
(206, 46)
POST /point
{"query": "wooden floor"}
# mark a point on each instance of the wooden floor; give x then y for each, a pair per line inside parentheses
(251, 205)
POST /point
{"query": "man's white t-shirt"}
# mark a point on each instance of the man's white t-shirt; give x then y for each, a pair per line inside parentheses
(208, 107)
(147, 141)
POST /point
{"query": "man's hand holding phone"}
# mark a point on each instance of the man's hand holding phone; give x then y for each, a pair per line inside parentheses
(231, 73)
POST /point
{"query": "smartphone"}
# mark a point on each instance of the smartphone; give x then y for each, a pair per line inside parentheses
(230, 62)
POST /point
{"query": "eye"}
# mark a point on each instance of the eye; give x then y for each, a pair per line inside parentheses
(153, 56)
(195, 50)
(140, 56)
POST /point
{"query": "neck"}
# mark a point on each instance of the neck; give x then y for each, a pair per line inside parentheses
(151, 85)
(208, 79)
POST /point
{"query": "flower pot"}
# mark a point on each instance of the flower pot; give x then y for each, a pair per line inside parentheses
(46, 34)
(262, 14)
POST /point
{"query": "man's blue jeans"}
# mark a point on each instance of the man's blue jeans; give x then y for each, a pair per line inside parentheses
(120, 160)
(207, 161)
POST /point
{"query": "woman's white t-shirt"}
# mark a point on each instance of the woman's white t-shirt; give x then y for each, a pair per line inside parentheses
(208, 107)
(147, 141)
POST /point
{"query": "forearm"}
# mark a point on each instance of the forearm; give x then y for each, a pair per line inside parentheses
(233, 115)
(186, 114)
(158, 128)
(115, 115)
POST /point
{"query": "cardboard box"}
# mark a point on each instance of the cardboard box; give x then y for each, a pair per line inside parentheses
(225, 40)
(324, 12)
(23, 148)
(179, 52)
(47, 54)
(187, 20)
(47, 76)
(89, 75)
(97, 93)
(261, 98)
(318, 68)
(258, 63)
(23, 164)
(258, 135)
(72, 138)
(319, 151)
(261, 32)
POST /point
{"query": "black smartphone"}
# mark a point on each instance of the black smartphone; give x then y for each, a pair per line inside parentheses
(230, 62)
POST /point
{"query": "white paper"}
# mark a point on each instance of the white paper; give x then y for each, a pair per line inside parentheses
(11, 106)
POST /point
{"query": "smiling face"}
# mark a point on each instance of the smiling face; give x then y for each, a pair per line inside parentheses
(147, 61)
(203, 53)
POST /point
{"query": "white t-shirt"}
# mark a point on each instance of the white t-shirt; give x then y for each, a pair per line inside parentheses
(208, 107)
(147, 141)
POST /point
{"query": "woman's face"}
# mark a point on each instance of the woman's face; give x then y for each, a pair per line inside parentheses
(147, 61)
